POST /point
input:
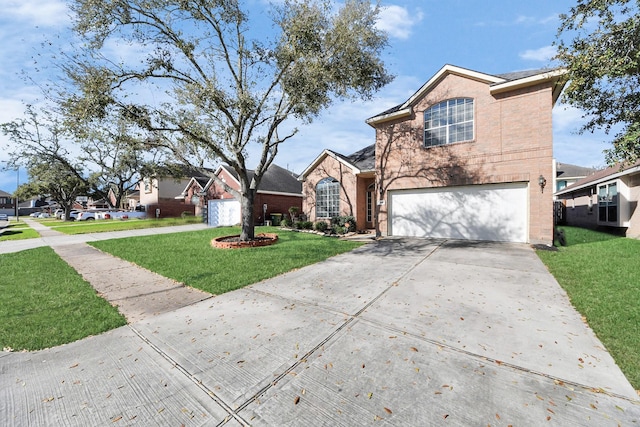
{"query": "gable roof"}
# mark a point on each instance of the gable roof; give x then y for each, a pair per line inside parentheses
(603, 175)
(363, 160)
(4, 194)
(498, 83)
(567, 171)
(275, 180)
(279, 180)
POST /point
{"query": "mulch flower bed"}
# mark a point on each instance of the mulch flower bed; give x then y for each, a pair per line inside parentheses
(234, 242)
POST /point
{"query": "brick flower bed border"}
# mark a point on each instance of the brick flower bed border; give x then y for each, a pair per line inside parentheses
(262, 239)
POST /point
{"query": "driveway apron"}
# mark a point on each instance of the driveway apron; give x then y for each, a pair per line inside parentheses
(397, 332)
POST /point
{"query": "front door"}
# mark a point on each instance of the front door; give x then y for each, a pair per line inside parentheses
(371, 203)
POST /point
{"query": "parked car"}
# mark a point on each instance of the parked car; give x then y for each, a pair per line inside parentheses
(86, 215)
(60, 214)
(39, 215)
(120, 215)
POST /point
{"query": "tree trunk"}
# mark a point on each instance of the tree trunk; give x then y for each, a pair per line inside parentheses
(67, 211)
(246, 205)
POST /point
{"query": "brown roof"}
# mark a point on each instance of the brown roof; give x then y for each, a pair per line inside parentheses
(599, 176)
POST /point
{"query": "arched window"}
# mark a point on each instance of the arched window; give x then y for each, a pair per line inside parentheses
(327, 198)
(448, 122)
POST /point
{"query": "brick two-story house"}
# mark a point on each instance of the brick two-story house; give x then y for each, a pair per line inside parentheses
(467, 156)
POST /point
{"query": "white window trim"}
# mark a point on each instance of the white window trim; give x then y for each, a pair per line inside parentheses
(333, 206)
(448, 105)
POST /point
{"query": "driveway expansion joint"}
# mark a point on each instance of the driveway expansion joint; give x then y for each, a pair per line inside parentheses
(200, 384)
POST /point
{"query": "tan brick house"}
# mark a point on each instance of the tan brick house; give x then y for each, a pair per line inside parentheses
(607, 199)
(462, 158)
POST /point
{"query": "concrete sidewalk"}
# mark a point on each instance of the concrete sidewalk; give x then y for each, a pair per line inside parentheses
(137, 292)
(397, 332)
(49, 237)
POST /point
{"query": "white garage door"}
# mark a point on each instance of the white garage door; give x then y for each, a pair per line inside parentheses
(497, 212)
(223, 212)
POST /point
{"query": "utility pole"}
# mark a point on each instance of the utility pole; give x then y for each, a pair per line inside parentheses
(17, 201)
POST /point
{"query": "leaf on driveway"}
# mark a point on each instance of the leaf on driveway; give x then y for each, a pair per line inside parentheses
(388, 411)
(296, 400)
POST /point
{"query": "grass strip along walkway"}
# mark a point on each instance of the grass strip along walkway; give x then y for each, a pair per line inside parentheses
(600, 273)
(44, 302)
(190, 259)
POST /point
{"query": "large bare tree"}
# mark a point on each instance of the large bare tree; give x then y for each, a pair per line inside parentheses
(231, 91)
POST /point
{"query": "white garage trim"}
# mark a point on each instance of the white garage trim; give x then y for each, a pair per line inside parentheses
(223, 212)
(495, 212)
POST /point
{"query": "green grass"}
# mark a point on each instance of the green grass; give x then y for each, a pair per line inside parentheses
(189, 258)
(18, 231)
(101, 226)
(601, 275)
(44, 302)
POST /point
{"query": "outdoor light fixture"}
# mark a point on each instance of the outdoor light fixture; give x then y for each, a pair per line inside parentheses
(542, 182)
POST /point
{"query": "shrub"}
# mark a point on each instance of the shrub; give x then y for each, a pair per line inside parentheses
(338, 229)
(306, 225)
(320, 226)
(347, 223)
(186, 214)
(293, 211)
(286, 223)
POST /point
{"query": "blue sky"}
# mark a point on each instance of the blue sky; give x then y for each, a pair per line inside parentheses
(491, 37)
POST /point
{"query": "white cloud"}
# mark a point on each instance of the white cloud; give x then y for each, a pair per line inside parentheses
(567, 118)
(570, 146)
(50, 13)
(521, 20)
(398, 21)
(543, 54)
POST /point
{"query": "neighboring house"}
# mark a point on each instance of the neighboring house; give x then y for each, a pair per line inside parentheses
(7, 203)
(279, 190)
(567, 174)
(160, 196)
(97, 204)
(607, 198)
(130, 200)
(466, 157)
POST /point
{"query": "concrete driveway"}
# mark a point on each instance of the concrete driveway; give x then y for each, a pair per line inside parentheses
(402, 332)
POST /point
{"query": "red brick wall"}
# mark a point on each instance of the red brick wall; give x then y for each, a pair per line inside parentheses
(275, 204)
(169, 209)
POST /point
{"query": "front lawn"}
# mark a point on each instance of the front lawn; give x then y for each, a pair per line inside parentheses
(104, 225)
(18, 231)
(44, 302)
(600, 273)
(189, 258)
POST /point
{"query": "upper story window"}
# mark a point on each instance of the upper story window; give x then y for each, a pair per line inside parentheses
(327, 198)
(448, 122)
